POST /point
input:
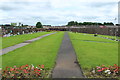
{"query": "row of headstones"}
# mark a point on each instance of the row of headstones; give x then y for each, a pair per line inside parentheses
(102, 31)
(14, 32)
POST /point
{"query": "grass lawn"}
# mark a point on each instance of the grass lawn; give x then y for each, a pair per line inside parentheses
(10, 41)
(94, 51)
(0, 43)
(43, 51)
(0, 49)
(107, 36)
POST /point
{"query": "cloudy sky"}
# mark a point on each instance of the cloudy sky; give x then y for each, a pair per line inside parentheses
(57, 12)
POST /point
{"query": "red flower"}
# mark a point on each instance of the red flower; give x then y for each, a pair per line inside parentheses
(14, 66)
(28, 68)
(42, 66)
(103, 69)
(116, 70)
(37, 73)
(99, 70)
(25, 71)
(26, 65)
(39, 70)
(22, 67)
(16, 72)
(12, 69)
(12, 74)
(35, 69)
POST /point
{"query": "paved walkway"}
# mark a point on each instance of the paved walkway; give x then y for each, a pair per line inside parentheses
(11, 48)
(66, 66)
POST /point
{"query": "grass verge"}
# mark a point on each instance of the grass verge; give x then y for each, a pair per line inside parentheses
(94, 51)
(10, 41)
(43, 51)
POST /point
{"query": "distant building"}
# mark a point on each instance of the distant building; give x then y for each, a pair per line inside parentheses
(47, 26)
(30, 26)
(6, 26)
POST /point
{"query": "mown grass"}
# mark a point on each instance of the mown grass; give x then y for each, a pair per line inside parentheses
(108, 36)
(0, 43)
(10, 41)
(0, 49)
(93, 51)
(105, 36)
(43, 51)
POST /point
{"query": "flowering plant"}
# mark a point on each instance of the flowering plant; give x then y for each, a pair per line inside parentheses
(25, 71)
(110, 71)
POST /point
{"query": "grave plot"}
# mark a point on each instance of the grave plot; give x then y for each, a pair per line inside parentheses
(11, 48)
(94, 51)
(42, 51)
(10, 41)
(55, 54)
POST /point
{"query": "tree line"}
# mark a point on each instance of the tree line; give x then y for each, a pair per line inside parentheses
(38, 25)
(75, 23)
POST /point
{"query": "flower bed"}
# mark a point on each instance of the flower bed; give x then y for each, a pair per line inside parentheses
(104, 71)
(25, 71)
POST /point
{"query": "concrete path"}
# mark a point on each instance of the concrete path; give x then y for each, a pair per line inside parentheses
(66, 64)
(11, 48)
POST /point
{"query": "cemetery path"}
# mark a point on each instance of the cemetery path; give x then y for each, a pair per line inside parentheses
(11, 48)
(66, 64)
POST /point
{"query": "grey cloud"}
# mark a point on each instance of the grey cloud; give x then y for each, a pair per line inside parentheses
(101, 4)
(17, 6)
(6, 8)
(10, 6)
(31, 12)
(90, 17)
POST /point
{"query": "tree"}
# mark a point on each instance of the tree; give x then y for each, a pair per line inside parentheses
(75, 23)
(13, 24)
(71, 23)
(108, 23)
(39, 25)
(80, 23)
